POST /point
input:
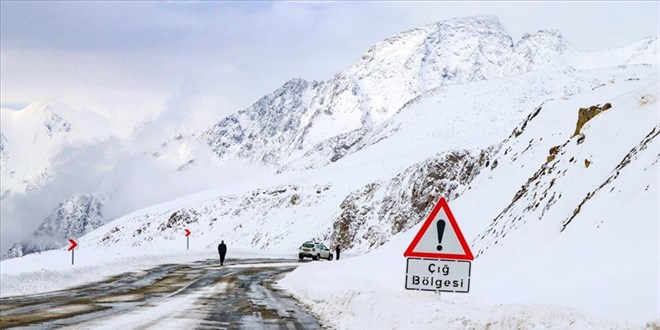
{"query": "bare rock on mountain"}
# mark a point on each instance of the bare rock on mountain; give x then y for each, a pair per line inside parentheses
(371, 215)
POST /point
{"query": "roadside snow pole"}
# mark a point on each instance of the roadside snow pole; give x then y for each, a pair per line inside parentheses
(71, 248)
(187, 239)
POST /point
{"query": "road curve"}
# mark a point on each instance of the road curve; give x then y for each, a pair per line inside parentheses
(200, 295)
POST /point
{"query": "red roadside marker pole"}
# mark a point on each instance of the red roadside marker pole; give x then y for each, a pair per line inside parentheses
(187, 239)
(71, 248)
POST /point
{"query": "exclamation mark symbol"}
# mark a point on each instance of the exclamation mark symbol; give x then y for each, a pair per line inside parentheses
(441, 230)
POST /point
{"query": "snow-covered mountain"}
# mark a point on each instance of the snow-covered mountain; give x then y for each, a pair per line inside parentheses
(311, 124)
(51, 153)
(576, 172)
(325, 118)
(37, 145)
(387, 185)
(464, 78)
(546, 154)
(76, 216)
(31, 139)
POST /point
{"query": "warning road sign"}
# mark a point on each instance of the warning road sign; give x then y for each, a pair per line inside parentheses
(440, 237)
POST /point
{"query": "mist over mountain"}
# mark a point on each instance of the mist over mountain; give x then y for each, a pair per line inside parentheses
(74, 217)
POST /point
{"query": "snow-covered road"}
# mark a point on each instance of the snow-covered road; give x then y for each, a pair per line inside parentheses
(201, 295)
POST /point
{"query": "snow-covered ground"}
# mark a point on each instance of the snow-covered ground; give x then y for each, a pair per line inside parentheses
(576, 248)
(368, 292)
(52, 270)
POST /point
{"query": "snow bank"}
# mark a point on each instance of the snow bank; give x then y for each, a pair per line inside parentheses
(368, 292)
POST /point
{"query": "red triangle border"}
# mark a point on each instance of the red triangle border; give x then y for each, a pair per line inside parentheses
(442, 203)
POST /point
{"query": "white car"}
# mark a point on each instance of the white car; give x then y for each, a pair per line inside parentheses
(315, 251)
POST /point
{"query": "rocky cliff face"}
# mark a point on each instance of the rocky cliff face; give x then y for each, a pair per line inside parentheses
(268, 129)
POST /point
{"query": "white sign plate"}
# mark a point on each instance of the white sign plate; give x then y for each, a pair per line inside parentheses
(438, 275)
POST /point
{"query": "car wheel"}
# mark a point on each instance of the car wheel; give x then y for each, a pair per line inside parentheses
(329, 257)
(301, 257)
(317, 257)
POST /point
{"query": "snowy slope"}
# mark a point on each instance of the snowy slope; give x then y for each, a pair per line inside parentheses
(468, 115)
(642, 52)
(595, 203)
(545, 232)
(278, 212)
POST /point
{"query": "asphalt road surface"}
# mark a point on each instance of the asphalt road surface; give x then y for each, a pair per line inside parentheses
(200, 295)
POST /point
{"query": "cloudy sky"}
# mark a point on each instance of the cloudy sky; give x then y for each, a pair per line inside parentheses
(125, 58)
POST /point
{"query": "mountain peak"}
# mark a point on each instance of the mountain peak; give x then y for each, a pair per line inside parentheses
(549, 36)
(483, 21)
(295, 82)
(46, 105)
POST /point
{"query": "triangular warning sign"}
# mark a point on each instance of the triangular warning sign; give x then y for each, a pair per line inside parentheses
(440, 237)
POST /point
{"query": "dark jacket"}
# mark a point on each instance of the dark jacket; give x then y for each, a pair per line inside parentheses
(222, 248)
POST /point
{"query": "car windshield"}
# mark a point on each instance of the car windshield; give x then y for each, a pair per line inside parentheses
(308, 245)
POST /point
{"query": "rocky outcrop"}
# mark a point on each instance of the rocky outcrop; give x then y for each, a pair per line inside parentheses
(55, 124)
(267, 129)
(371, 215)
(586, 114)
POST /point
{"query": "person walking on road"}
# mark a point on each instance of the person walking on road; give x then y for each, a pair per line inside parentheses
(222, 251)
(337, 251)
